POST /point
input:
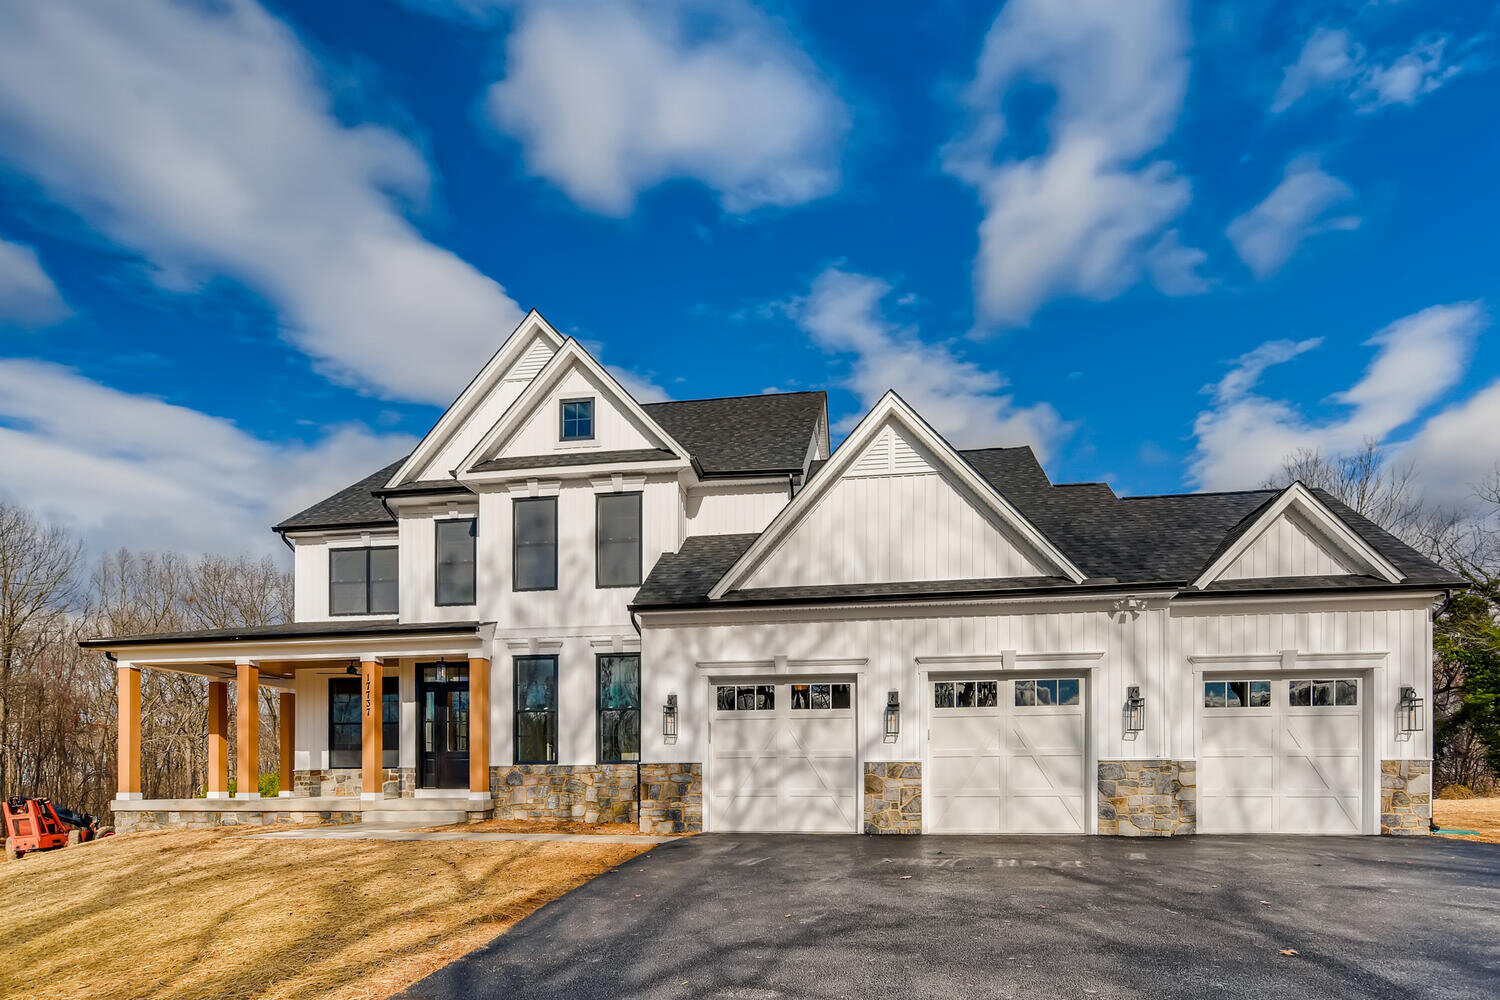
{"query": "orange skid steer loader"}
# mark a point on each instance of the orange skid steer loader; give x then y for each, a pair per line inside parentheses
(38, 825)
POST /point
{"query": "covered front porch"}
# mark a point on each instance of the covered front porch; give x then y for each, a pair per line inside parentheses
(378, 720)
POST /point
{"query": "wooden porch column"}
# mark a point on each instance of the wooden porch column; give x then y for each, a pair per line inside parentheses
(372, 771)
(218, 739)
(288, 739)
(129, 764)
(247, 729)
(479, 726)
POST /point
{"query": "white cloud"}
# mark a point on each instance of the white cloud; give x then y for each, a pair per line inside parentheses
(124, 469)
(1244, 436)
(1266, 236)
(1174, 268)
(1332, 61)
(1078, 218)
(610, 99)
(28, 296)
(966, 403)
(1458, 449)
(199, 135)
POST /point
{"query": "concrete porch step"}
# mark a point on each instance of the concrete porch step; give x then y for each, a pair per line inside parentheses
(424, 811)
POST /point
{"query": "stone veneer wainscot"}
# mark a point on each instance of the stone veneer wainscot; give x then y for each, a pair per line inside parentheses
(672, 798)
(397, 782)
(893, 797)
(1405, 798)
(583, 793)
(1148, 798)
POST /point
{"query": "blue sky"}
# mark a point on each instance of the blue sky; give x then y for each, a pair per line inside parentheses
(248, 253)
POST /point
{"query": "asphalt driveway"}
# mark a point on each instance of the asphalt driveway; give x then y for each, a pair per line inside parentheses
(777, 916)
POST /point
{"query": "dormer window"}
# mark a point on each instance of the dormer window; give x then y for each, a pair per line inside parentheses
(577, 419)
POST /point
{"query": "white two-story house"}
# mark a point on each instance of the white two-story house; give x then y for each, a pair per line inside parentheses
(566, 604)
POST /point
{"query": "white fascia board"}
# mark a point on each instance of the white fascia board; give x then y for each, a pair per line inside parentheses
(458, 411)
(666, 467)
(570, 352)
(1315, 510)
(889, 405)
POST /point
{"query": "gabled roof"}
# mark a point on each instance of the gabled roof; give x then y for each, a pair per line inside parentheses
(1121, 543)
(532, 327)
(891, 409)
(1297, 497)
(570, 355)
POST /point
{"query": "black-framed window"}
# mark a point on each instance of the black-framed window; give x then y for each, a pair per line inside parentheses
(534, 562)
(363, 580)
(536, 710)
(345, 728)
(617, 530)
(455, 560)
(619, 705)
(577, 419)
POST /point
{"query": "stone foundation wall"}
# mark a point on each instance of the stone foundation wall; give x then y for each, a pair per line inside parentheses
(397, 782)
(893, 797)
(1405, 798)
(1148, 798)
(160, 819)
(671, 798)
(584, 793)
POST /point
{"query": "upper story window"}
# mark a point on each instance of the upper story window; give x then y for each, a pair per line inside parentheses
(617, 560)
(534, 561)
(577, 419)
(455, 561)
(362, 580)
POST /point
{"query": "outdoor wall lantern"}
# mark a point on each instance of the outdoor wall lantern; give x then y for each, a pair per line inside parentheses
(1135, 712)
(1409, 710)
(892, 716)
(669, 719)
(352, 668)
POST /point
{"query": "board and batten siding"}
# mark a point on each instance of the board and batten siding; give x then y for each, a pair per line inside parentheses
(1154, 648)
(614, 428)
(895, 527)
(418, 586)
(1288, 547)
(734, 508)
(310, 574)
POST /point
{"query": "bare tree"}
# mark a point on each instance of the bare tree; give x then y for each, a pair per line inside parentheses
(38, 566)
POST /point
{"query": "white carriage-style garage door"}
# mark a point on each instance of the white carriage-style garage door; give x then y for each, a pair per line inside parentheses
(782, 758)
(1281, 755)
(1006, 756)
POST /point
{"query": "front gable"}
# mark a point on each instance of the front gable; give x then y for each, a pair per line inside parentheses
(895, 504)
(482, 403)
(1297, 535)
(532, 427)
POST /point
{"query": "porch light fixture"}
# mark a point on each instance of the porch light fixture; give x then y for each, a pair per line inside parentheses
(1135, 712)
(669, 719)
(892, 716)
(353, 668)
(1409, 710)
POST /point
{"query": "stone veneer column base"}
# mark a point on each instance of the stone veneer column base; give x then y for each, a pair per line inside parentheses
(1148, 798)
(893, 797)
(396, 782)
(1405, 798)
(582, 793)
(672, 798)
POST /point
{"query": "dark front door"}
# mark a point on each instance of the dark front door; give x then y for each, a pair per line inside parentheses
(443, 695)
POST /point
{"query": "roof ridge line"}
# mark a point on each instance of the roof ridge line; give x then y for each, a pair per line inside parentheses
(743, 395)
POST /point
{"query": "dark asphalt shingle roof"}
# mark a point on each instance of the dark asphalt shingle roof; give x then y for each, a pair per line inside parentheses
(354, 506)
(574, 458)
(1149, 540)
(770, 432)
(738, 434)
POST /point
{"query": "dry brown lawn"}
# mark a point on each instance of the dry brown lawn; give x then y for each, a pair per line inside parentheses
(1470, 814)
(177, 915)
